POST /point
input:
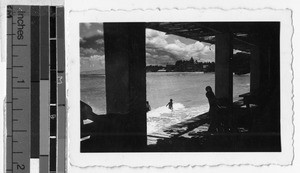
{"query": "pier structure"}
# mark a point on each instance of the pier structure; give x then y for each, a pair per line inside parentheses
(126, 77)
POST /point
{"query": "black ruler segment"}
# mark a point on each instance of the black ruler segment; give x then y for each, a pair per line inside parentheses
(52, 154)
(53, 120)
(53, 88)
(52, 22)
(35, 78)
(53, 55)
(44, 20)
(53, 73)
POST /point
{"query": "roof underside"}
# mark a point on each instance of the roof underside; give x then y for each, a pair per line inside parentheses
(243, 32)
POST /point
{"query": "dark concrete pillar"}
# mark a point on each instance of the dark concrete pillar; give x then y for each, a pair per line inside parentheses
(254, 69)
(269, 89)
(125, 67)
(265, 67)
(274, 86)
(275, 55)
(223, 69)
(126, 80)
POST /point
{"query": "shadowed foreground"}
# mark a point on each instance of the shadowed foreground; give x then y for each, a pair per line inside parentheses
(243, 134)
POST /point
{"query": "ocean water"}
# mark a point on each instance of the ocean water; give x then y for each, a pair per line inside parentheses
(187, 89)
(92, 92)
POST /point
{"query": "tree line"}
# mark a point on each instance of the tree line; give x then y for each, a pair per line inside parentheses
(240, 65)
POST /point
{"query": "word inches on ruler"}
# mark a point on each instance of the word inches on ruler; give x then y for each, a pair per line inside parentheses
(20, 24)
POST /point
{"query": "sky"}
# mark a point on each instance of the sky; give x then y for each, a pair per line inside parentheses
(161, 49)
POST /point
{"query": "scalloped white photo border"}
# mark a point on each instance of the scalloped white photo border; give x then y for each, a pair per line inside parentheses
(161, 159)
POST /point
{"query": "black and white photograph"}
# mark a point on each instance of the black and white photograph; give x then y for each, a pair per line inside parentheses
(149, 86)
(180, 86)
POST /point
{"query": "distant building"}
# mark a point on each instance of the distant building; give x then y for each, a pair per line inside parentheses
(205, 67)
(162, 70)
(170, 68)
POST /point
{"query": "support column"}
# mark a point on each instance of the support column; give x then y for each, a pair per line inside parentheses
(223, 69)
(275, 56)
(126, 80)
(255, 69)
(265, 68)
(274, 81)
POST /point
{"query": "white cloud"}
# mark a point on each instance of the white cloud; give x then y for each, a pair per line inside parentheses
(82, 40)
(150, 33)
(88, 51)
(88, 25)
(100, 32)
(158, 40)
(100, 41)
(97, 57)
(155, 56)
(206, 49)
(186, 51)
(94, 62)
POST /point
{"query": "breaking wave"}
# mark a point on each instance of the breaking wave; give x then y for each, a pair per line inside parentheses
(162, 117)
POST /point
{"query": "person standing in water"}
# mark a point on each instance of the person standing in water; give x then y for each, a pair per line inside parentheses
(213, 109)
(148, 108)
(170, 104)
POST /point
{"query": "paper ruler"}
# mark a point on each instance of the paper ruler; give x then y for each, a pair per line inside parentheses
(35, 107)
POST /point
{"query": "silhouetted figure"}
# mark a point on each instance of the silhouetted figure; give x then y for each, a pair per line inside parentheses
(86, 112)
(213, 110)
(148, 108)
(170, 104)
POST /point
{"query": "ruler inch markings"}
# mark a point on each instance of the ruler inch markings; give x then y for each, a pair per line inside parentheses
(35, 76)
(18, 39)
(53, 88)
